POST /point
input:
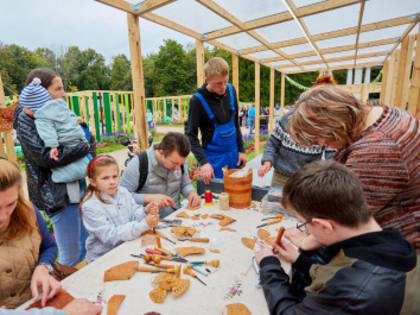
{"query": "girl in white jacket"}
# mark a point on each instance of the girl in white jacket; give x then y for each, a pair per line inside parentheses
(109, 212)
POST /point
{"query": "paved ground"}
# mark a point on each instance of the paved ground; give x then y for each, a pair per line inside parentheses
(121, 156)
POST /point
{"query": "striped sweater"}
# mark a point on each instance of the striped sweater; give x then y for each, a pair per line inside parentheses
(386, 157)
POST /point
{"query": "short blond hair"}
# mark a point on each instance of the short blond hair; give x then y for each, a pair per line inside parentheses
(327, 113)
(216, 66)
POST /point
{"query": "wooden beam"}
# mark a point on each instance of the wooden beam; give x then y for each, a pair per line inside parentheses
(333, 34)
(214, 7)
(404, 71)
(394, 76)
(7, 136)
(199, 56)
(257, 109)
(118, 4)
(364, 95)
(359, 24)
(414, 92)
(138, 80)
(149, 5)
(235, 75)
(281, 17)
(283, 87)
(404, 35)
(385, 88)
(315, 62)
(271, 121)
(334, 49)
(293, 11)
(346, 66)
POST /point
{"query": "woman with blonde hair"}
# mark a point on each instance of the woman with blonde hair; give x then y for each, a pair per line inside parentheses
(381, 144)
(27, 250)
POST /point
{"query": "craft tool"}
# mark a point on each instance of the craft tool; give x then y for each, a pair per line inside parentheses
(188, 271)
(277, 216)
(199, 271)
(269, 223)
(194, 239)
(164, 237)
(215, 263)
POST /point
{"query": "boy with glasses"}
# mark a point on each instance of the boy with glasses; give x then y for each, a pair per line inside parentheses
(367, 269)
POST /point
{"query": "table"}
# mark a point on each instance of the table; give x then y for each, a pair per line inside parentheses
(235, 272)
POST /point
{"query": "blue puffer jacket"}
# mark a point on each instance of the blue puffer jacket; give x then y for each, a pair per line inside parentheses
(43, 192)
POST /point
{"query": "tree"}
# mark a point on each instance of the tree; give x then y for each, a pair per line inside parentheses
(15, 64)
(121, 74)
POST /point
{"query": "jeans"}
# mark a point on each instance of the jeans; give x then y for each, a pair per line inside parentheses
(70, 235)
(251, 123)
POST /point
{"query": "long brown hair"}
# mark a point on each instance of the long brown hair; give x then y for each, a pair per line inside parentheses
(23, 219)
(327, 113)
(91, 173)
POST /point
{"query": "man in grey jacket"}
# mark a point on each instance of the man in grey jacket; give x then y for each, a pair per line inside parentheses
(167, 175)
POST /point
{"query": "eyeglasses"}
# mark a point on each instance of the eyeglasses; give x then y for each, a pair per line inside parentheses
(302, 226)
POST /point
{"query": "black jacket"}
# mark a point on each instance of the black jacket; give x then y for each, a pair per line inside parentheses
(363, 275)
(43, 192)
(198, 119)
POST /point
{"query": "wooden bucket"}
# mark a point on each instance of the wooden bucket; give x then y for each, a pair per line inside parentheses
(239, 189)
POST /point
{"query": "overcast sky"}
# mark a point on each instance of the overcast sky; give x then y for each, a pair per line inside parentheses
(85, 23)
(58, 24)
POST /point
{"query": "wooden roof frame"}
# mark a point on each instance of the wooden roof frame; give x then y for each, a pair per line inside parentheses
(145, 9)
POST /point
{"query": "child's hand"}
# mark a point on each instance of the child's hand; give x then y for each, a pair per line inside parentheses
(301, 239)
(54, 154)
(152, 220)
(264, 252)
(152, 208)
(286, 251)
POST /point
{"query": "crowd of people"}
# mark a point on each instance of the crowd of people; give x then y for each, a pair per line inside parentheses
(350, 173)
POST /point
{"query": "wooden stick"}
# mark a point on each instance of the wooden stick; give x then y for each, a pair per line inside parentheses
(279, 235)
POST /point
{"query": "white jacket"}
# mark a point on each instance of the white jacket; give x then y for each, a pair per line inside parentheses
(111, 224)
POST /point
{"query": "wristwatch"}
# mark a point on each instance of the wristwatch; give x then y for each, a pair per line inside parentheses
(48, 266)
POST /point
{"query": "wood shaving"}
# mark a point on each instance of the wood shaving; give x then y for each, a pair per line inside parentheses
(237, 309)
(248, 242)
(180, 287)
(121, 272)
(215, 250)
(227, 229)
(192, 250)
(263, 234)
(226, 220)
(157, 295)
(114, 303)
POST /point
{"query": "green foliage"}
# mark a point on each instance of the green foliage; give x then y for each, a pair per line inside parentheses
(121, 74)
(111, 139)
(110, 148)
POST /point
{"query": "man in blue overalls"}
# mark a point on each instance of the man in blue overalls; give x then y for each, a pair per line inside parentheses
(214, 110)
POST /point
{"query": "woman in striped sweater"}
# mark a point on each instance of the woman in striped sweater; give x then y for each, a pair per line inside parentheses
(379, 143)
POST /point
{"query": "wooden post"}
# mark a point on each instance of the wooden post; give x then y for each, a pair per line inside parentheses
(394, 79)
(364, 93)
(235, 75)
(386, 75)
(271, 124)
(180, 109)
(164, 110)
(8, 138)
(283, 86)
(257, 109)
(199, 54)
(414, 92)
(404, 69)
(173, 107)
(138, 80)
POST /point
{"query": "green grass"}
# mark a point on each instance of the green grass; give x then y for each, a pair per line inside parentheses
(251, 154)
(110, 148)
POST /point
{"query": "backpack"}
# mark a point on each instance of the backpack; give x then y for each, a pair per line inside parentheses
(144, 167)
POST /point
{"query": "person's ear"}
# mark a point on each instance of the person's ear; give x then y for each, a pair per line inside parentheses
(327, 226)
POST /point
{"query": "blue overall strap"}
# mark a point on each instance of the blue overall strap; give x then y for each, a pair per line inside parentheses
(232, 98)
(206, 107)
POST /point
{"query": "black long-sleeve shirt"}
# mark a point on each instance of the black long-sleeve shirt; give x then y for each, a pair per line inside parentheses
(198, 119)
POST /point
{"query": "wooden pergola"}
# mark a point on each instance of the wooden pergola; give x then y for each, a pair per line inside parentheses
(290, 36)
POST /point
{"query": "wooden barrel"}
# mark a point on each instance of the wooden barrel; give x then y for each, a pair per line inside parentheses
(239, 189)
